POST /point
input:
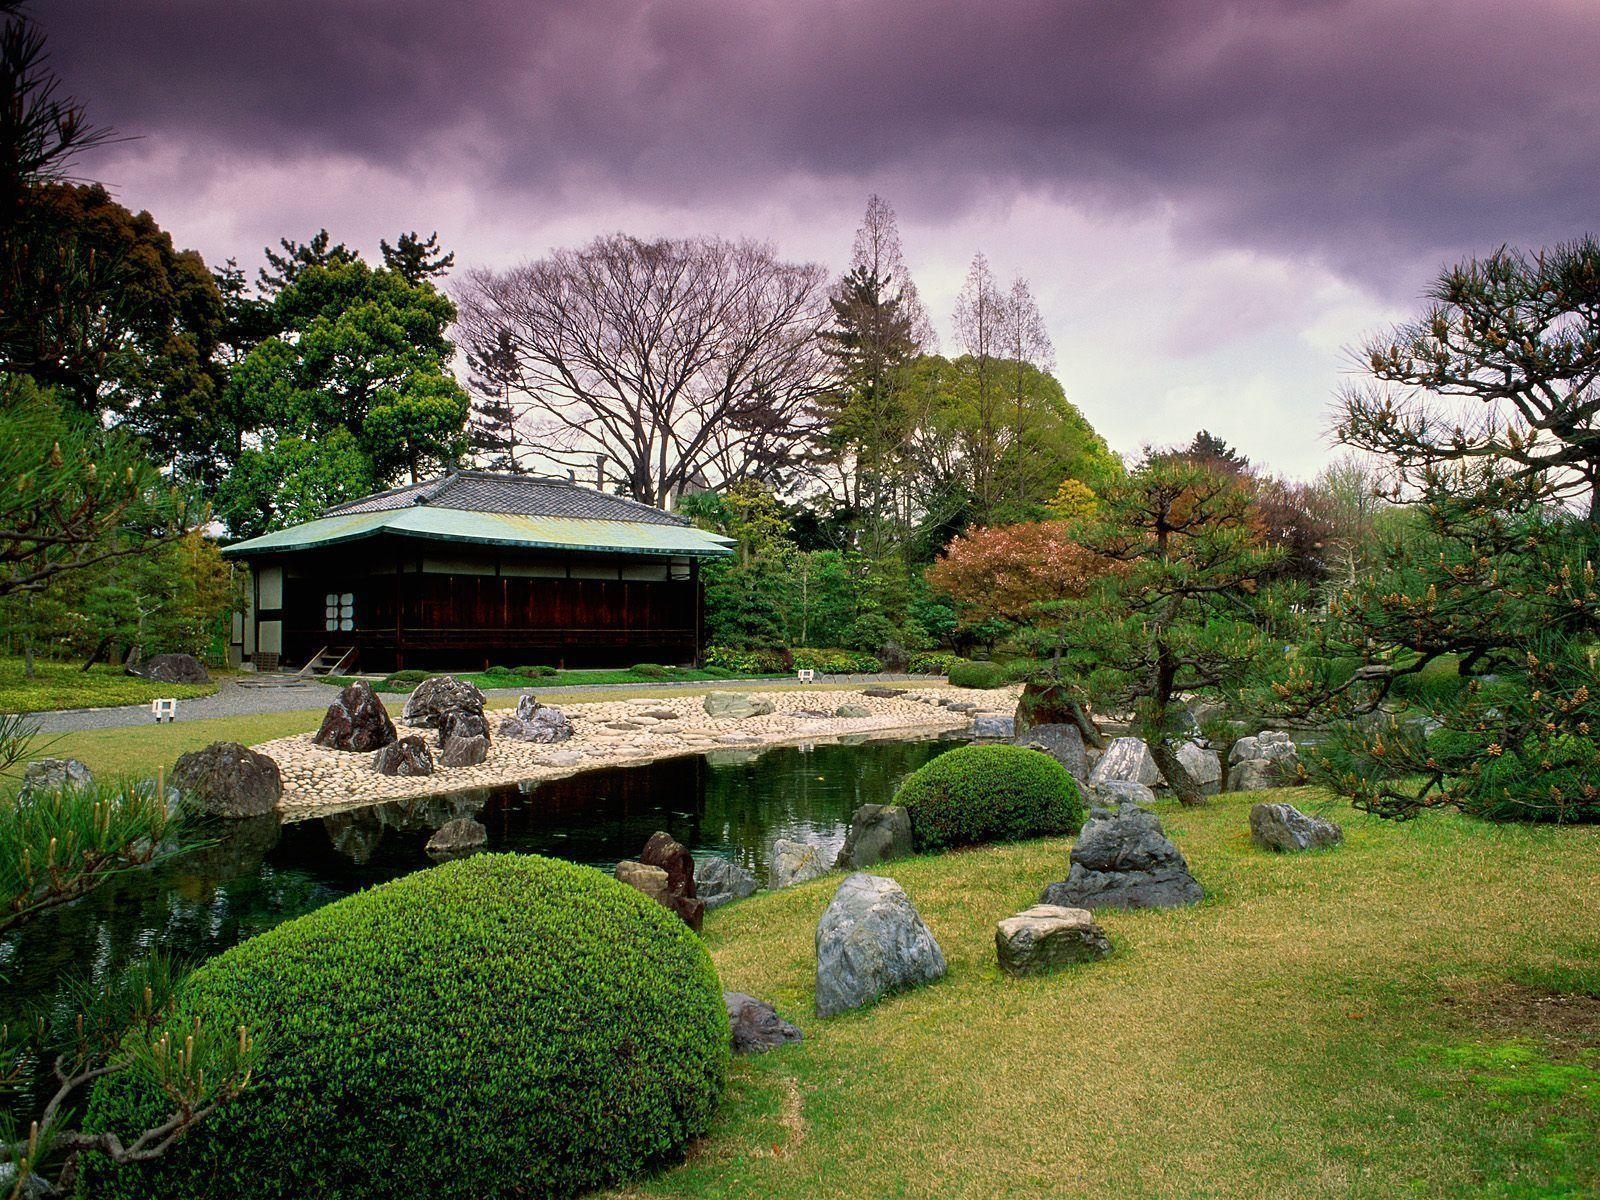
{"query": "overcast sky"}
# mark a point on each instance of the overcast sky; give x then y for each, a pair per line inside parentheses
(1211, 199)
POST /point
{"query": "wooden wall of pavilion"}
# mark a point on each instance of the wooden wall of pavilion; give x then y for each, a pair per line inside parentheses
(408, 603)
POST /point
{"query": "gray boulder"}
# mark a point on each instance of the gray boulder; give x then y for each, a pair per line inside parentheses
(878, 833)
(1124, 860)
(721, 881)
(756, 1026)
(458, 837)
(356, 721)
(535, 722)
(1047, 936)
(1114, 793)
(174, 668)
(228, 780)
(456, 750)
(445, 703)
(736, 705)
(1062, 742)
(1126, 758)
(1274, 745)
(796, 862)
(1252, 775)
(54, 774)
(852, 710)
(994, 725)
(879, 692)
(870, 943)
(1284, 828)
(407, 756)
(962, 706)
(1203, 765)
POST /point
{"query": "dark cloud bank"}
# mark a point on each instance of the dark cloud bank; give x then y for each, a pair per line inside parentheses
(1367, 133)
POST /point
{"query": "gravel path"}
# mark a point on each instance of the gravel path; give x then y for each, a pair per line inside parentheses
(245, 696)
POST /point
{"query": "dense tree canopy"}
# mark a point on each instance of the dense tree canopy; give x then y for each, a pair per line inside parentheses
(355, 391)
(103, 308)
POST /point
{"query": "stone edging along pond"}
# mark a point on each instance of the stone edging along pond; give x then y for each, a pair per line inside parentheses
(318, 781)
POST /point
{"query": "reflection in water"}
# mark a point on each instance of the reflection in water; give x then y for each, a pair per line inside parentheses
(258, 874)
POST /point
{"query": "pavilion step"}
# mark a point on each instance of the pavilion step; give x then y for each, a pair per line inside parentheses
(327, 661)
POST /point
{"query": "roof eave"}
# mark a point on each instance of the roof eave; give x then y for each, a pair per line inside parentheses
(246, 550)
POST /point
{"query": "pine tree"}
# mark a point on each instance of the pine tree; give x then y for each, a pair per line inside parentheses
(492, 432)
(320, 251)
(414, 258)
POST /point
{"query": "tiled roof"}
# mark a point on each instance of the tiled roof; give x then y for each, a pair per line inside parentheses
(499, 510)
(518, 495)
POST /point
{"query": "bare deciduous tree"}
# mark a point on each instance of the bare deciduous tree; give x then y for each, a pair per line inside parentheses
(683, 361)
(877, 250)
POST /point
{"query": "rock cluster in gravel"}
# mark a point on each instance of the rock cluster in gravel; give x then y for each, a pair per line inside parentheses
(317, 780)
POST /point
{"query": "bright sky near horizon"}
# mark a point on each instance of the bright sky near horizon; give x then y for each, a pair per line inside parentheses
(1211, 198)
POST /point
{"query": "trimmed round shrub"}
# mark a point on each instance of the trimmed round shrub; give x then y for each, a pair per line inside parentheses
(978, 675)
(505, 1025)
(978, 794)
(652, 670)
(407, 676)
(539, 671)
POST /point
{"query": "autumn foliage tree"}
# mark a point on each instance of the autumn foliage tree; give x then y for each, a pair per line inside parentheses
(1010, 571)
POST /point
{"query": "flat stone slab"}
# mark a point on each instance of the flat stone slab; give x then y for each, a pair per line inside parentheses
(736, 705)
(994, 725)
(1047, 936)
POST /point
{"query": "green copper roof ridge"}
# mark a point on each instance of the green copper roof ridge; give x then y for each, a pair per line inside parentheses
(394, 522)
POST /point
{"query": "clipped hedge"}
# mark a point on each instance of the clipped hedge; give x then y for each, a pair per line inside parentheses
(933, 662)
(979, 794)
(978, 675)
(506, 1025)
(651, 670)
(537, 671)
(836, 662)
(750, 662)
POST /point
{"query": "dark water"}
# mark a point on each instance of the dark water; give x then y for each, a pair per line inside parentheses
(259, 873)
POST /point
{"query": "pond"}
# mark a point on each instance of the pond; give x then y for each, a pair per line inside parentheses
(259, 873)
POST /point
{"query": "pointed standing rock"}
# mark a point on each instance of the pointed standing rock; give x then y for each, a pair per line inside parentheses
(871, 942)
(1122, 859)
(357, 721)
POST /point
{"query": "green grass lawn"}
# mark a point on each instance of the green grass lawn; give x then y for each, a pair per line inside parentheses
(65, 685)
(142, 750)
(1374, 1021)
